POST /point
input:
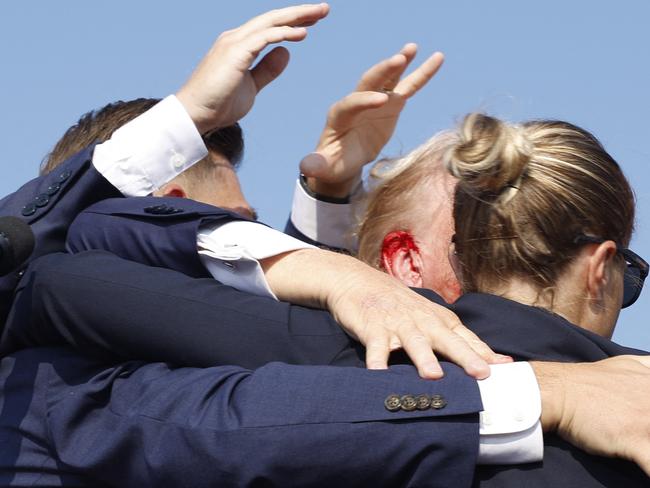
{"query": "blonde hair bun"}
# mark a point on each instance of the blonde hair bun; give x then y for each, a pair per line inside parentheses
(490, 156)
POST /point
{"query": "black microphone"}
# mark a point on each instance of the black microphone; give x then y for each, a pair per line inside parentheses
(16, 243)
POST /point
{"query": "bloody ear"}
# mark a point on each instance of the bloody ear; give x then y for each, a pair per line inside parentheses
(400, 258)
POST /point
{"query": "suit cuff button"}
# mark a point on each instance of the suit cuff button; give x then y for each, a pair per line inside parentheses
(438, 402)
(392, 403)
(408, 403)
(422, 402)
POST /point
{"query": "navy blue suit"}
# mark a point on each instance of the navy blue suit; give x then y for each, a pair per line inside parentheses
(526, 333)
(48, 204)
(530, 333)
(67, 419)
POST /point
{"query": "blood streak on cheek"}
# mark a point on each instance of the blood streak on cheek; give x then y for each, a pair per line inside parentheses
(394, 242)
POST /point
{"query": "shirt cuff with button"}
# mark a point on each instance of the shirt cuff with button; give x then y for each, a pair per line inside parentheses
(331, 224)
(510, 426)
(144, 154)
(231, 253)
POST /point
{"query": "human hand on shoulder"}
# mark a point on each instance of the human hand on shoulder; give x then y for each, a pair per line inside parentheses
(378, 311)
(222, 89)
(360, 125)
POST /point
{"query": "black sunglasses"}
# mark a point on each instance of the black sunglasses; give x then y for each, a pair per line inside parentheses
(636, 270)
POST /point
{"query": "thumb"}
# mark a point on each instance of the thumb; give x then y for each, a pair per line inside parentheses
(344, 112)
(314, 165)
(270, 67)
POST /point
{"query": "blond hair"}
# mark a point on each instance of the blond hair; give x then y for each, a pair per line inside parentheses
(525, 193)
(397, 195)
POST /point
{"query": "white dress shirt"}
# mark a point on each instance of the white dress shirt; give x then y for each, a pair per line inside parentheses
(158, 145)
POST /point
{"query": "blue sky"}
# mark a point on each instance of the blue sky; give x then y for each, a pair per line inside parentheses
(586, 62)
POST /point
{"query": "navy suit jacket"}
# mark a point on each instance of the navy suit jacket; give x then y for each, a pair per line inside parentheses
(530, 333)
(48, 204)
(71, 421)
(526, 333)
(66, 419)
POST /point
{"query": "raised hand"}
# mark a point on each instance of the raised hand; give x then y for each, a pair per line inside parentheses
(222, 89)
(360, 125)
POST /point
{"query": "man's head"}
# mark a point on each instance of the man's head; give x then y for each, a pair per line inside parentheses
(408, 224)
(212, 180)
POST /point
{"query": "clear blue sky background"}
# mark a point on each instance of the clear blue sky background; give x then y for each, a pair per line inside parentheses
(586, 62)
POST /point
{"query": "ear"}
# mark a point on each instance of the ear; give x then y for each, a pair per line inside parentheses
(599, 259)
(400, 257)
(171, 190)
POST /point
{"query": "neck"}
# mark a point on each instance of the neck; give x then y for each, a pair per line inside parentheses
(565, 299)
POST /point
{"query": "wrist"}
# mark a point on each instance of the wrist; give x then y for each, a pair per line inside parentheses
(202, 117)
(552, 387)
(330, 192)
(283, 271)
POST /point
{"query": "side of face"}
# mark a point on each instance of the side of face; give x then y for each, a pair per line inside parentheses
(424, 262)
(221, 188)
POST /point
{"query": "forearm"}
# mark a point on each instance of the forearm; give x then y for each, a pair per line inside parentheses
(322, 279)
(316, 277)
(552, 385)
(113, 308)
(289, 425)
(578, 400)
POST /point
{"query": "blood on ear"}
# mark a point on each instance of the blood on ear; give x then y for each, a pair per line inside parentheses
(393, 243)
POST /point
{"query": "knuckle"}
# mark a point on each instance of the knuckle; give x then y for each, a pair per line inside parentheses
(226, 37)
(377, 342)
(415, 340)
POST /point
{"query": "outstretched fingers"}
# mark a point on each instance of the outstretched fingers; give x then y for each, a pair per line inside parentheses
(383, 75)
(408, 51)
(296, 16)
(420, 77)
(255, 44)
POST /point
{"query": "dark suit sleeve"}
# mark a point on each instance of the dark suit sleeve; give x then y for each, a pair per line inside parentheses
(49, 204)
(156, 231)
(280, 425)
(110, 307)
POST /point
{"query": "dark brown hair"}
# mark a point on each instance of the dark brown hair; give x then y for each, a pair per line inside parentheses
(99, 125)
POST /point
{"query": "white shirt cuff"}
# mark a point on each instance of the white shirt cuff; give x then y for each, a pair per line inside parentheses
(231, 253)
(510, 426)
(153, 148)
(331, 224)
